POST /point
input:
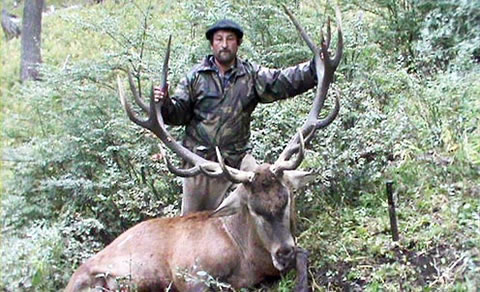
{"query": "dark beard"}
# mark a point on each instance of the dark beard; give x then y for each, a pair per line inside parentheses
(225, 59)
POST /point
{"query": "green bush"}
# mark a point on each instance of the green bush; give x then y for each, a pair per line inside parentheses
(33, 255)
(448, 34)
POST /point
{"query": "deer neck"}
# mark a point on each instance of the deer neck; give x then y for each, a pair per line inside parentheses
(241, 229)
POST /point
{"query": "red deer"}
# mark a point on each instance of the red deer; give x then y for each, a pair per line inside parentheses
(246, 239)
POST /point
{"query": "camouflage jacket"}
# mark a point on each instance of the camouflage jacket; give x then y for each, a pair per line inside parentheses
(217, 110)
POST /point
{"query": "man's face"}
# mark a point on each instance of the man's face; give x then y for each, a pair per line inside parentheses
(225, 46)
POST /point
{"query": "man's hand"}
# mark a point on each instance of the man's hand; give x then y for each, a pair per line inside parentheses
(160, 94)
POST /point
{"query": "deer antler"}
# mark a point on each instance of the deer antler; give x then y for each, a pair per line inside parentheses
(325, 68)
(156, 125)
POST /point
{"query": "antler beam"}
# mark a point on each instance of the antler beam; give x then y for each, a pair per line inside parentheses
(325, 68)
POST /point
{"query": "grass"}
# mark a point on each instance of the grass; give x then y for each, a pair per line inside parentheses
(438, 216)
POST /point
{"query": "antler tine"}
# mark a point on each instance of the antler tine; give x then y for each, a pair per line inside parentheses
(212, 170)
(131, 115)
(329, 33)
(178, 171)
(293, 146)
(136, 94)
(325, 68)
(294, 163)
(190, 172)
(300, 29)
(339, 51)
(163, 81)
(331, 116)
(328, 67)
(232, 175)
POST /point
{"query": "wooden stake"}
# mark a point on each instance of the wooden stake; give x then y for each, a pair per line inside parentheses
(391, 211)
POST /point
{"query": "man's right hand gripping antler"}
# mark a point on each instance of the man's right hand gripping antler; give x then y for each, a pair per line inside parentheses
(160, 94)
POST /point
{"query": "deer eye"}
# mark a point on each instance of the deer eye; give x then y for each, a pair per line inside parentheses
(263, 214)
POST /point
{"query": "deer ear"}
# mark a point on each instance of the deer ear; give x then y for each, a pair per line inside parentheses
(231, 204)
(248, 163)
(297, 179)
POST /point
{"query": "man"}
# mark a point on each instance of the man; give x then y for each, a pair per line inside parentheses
(215, 102)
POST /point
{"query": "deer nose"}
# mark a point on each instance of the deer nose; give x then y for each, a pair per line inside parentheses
(285, 252)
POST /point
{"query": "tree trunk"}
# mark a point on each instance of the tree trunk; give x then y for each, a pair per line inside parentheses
(31, 39)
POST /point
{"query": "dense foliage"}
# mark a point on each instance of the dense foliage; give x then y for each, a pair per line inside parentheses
(76, 172)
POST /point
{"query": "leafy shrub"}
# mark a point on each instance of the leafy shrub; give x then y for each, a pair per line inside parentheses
(34, 254)
(448, 34)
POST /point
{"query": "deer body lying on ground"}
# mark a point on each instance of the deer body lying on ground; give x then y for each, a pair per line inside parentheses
(245, 240)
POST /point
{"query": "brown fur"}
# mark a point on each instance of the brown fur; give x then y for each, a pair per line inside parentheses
(260, 189)
(237, 249)
(150, 252)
